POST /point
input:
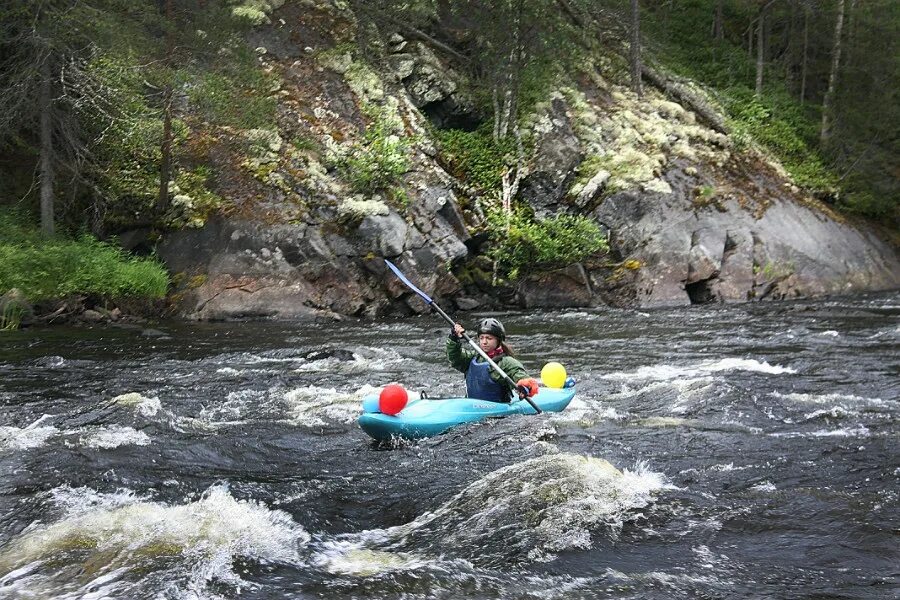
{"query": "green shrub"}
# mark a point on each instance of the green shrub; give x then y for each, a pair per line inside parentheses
(545, 244)
(222, 100)
(380, 160)
(47, 269)
(476, 157)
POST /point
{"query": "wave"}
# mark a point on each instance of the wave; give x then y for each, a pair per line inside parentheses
(118, 540)
(667, 372)
(525, 512)
(26, 438)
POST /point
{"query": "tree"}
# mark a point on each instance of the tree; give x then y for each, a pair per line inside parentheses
(36, 44)
(760, 48)
(635, 48)
(52, 103)
(833, 75)
(718, 29)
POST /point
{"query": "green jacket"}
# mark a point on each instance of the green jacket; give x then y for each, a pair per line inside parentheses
(460, 356)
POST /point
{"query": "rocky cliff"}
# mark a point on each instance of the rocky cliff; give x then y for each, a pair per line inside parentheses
(692, 215)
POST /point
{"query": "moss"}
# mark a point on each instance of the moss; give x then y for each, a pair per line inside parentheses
(193, 202)
(197, 281)
(256, 12)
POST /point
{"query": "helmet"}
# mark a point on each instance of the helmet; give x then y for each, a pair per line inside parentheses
(493, 327)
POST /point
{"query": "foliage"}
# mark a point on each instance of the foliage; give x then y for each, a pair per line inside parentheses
(380, 161)
(867, 107)
(779, 124)
(235, 92)
(476, 157)
(44, 269)
(522, 243)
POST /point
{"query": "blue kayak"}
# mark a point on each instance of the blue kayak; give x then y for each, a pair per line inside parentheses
(430, 416)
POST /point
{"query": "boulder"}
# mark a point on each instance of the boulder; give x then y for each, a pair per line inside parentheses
(561, 288)
(552, 169)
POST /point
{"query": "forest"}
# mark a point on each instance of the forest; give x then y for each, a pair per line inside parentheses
(105, 104)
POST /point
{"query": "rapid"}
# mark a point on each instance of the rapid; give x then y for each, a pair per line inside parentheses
(710, 452)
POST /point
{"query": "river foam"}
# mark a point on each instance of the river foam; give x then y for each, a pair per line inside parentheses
(667, 372)
(525, 512)
(111, 540)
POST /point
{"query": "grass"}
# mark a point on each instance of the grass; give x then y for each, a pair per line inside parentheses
(60, 267)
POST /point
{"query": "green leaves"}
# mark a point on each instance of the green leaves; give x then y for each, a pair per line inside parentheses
(521, 242)
(378, 163)
(60, 267)
(476, 157)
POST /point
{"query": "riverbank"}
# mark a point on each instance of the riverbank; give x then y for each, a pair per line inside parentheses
(73, 279)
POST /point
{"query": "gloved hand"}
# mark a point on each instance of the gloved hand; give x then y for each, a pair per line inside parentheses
(527, 387)
(457, 332)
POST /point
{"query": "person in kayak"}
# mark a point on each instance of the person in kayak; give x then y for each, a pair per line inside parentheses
(482, 381)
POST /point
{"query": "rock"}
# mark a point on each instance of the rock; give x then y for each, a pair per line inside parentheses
(552, 168)
(338, 353)
(466, 303)
(592, 189)
(732, 254)
(432, 86)
(557, 289)
(384, 235)
(705, 255)
(92, 316)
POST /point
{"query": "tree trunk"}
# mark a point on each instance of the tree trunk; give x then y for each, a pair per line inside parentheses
(719, 22)
(851, 30)
(165, 167)
(47, 174)
(760, 51)
(684, 95)
(636, 48)
(750, 42)
(803, 65)
(495, 99)
(832, 77)
(790, 46)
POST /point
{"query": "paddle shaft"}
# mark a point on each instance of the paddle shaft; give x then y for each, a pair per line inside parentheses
(452, 323)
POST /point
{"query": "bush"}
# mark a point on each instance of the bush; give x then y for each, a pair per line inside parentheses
(380, 161)
(48, 269)
(476, 157)
(548, 244)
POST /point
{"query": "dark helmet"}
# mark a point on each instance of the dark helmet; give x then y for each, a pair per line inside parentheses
(493, 327)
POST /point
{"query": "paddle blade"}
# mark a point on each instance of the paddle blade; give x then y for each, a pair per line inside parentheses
(408, 283)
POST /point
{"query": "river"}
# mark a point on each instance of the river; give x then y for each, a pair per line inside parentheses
(711, 452)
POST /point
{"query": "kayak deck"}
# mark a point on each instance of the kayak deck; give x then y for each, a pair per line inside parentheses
(430, 416)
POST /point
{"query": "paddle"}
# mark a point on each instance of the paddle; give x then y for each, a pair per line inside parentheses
(477, 348)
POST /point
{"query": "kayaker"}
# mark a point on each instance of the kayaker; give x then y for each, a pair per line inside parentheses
(482, 381)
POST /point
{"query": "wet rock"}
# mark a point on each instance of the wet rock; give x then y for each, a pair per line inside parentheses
(92, 316)
(557, 289)
(337, 353)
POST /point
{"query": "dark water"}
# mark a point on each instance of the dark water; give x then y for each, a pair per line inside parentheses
(715, 452)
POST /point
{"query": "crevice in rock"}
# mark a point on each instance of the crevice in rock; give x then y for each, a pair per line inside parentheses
(701, 292)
